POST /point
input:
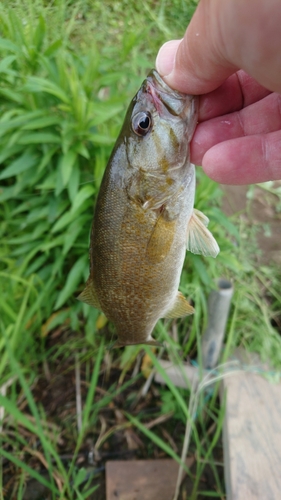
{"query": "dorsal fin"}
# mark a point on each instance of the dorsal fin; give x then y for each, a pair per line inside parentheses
(89, 295)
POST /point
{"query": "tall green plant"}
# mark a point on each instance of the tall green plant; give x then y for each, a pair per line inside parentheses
(55, 138)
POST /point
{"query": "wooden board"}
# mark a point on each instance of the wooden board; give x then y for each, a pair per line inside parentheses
(141, 479)
(188, 375)
(183, 376)
(252, 437)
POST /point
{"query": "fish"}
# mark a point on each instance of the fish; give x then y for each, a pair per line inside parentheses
(144, 218)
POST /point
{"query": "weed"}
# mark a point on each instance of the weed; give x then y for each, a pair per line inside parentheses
(67, 73)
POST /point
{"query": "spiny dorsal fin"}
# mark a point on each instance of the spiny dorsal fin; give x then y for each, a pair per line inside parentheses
(180, 308)
(199, 239)
(89, 295)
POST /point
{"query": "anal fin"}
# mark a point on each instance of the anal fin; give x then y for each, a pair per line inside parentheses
(199, 239)
(180, 308)
(89, 295)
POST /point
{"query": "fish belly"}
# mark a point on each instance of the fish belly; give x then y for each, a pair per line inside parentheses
(133, 291)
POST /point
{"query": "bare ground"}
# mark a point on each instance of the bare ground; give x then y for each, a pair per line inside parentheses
(55, 391)
(262, 211)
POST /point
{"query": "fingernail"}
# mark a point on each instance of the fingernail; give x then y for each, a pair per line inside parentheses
(166, 56)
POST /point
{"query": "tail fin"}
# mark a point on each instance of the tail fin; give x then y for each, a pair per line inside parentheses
(119, 343)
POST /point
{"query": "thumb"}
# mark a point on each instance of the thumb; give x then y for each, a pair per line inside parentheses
(196, 64)
(222, 37)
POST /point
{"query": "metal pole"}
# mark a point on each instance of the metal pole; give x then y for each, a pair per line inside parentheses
(218, 309)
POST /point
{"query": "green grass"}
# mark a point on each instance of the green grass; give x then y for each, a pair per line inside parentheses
(67, 73)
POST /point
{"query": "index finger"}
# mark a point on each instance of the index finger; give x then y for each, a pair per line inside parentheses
(237, 92)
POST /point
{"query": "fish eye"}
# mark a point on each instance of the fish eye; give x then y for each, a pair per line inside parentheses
(142, 123)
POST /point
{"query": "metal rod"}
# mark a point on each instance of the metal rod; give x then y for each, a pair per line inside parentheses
(218, 309)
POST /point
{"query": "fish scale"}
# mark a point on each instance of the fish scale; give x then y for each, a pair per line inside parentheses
(144, 216)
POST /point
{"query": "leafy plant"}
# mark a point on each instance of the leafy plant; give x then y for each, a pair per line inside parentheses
(67, 73)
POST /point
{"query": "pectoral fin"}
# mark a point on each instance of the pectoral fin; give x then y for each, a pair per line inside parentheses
(161, 240)
(199, 239)
(89, 295)
(180, 308)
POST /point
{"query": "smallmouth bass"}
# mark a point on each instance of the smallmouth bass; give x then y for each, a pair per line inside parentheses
(144, 217)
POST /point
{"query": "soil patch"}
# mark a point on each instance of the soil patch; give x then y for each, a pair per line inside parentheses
(261, 209)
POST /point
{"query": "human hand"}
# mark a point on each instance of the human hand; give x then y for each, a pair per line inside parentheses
(238, 139)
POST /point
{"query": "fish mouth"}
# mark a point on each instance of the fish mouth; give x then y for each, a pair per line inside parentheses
(157, 82)
(177, 103)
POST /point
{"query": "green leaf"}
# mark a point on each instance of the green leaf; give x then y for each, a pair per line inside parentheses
(8, 193)
(45, 160)
(69, 216)
(82, 195)
(72, 281)
(200, 268)
(53, 47)
(24, 162)
(156, 439)
(7, 152)
(73, 185)
(45, 121)
(217, 215)
(36, 264)
(29, 470)
(73, 231)
(39, 138)
(12, 95)
(82, 150)
(59, 182)
(91, 392)
(230, 261)
(173, 389)
(102, 139)
(80, 477)
(102, 114)
(5, 63)
(66, 163)
(40, 33)
(8, 45)
(37, 84)
(9, 123)
(57, 319)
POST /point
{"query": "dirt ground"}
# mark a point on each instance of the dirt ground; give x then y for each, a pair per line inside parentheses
(260, 210)
(57, 394)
